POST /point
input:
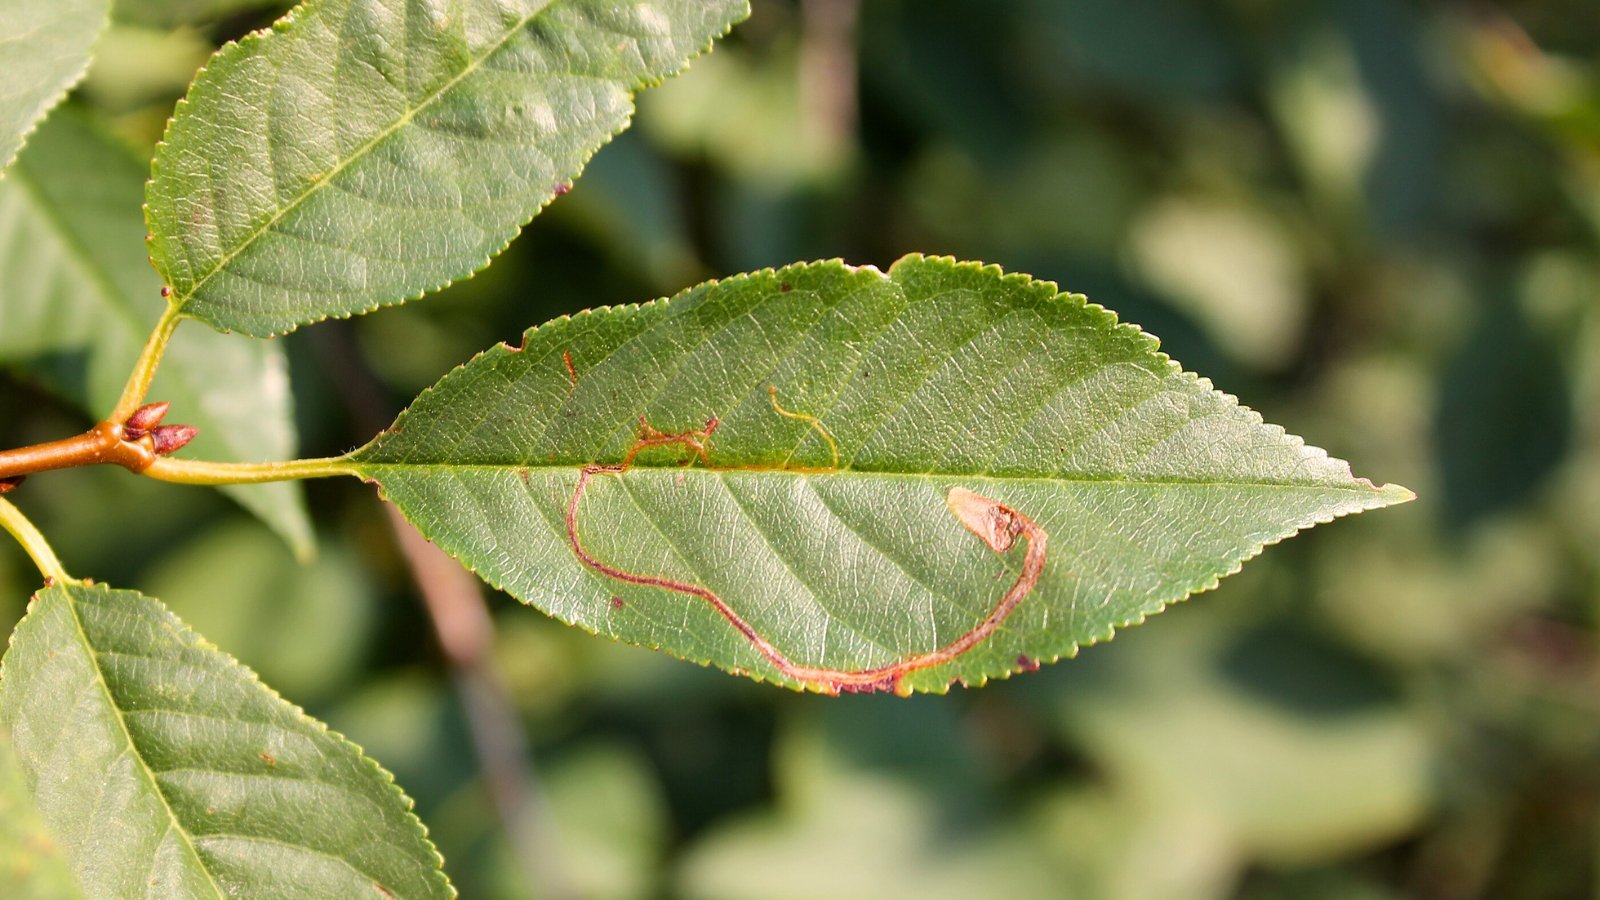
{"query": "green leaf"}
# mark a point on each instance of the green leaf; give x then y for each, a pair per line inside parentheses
(217, 787)
(964, 403)
(78, 298)
(173, 13)
(30, 860)
(362, 154)
(44, 50)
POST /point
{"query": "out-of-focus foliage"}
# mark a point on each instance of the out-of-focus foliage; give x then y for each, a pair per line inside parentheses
(44, 48)
(1377, 222)
(80, 299)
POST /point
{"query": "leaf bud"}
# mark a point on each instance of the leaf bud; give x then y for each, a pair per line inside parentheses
(144, 419)
(171, 437)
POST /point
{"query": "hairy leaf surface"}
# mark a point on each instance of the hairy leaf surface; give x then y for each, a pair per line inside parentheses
(78, 298)
(363, 152)
(165, 768)
(44, 50)
(958, 399)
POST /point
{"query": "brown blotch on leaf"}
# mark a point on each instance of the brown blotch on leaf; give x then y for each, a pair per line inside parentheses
(785, 288)
(993, 523)
(886, 684)
(572, 370)
(268, 758)
(1027, 664)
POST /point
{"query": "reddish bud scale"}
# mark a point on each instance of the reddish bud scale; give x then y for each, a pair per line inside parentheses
(168, 438)
(144, 418)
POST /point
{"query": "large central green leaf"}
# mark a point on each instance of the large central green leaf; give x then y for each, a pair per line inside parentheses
(961, 404)
(364, 152)
(163, 768)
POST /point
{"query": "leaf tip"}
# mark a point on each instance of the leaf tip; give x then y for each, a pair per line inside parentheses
(1394, 494)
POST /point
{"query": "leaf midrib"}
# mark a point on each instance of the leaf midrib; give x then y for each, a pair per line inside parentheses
(180, 301)
(1355, 487)
(133, 747)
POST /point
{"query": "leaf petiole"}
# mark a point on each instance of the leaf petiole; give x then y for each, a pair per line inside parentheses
(23, 529)
(194, 471)
(144, 371)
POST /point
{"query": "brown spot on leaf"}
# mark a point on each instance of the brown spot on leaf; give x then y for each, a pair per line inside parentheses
(993, 523)
(268, 758)
(887, 683)
(617, 603)
(1027, 664)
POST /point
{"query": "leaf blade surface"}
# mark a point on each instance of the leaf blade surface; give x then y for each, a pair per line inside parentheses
(30, 861)
(219, 787)
(936, 376)
(360, 154)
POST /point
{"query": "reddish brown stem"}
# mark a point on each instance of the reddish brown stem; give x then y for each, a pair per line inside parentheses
(102, 444)
(996, 524)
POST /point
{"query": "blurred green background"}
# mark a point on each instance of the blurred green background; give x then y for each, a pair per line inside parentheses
(1374, 221)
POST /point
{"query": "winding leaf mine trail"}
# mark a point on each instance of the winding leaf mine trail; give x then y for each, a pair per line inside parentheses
(996, 524)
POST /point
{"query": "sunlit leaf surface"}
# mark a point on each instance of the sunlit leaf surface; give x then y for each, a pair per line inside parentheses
(362, 153)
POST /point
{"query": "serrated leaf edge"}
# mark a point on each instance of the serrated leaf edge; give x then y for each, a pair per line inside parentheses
(55, 100)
